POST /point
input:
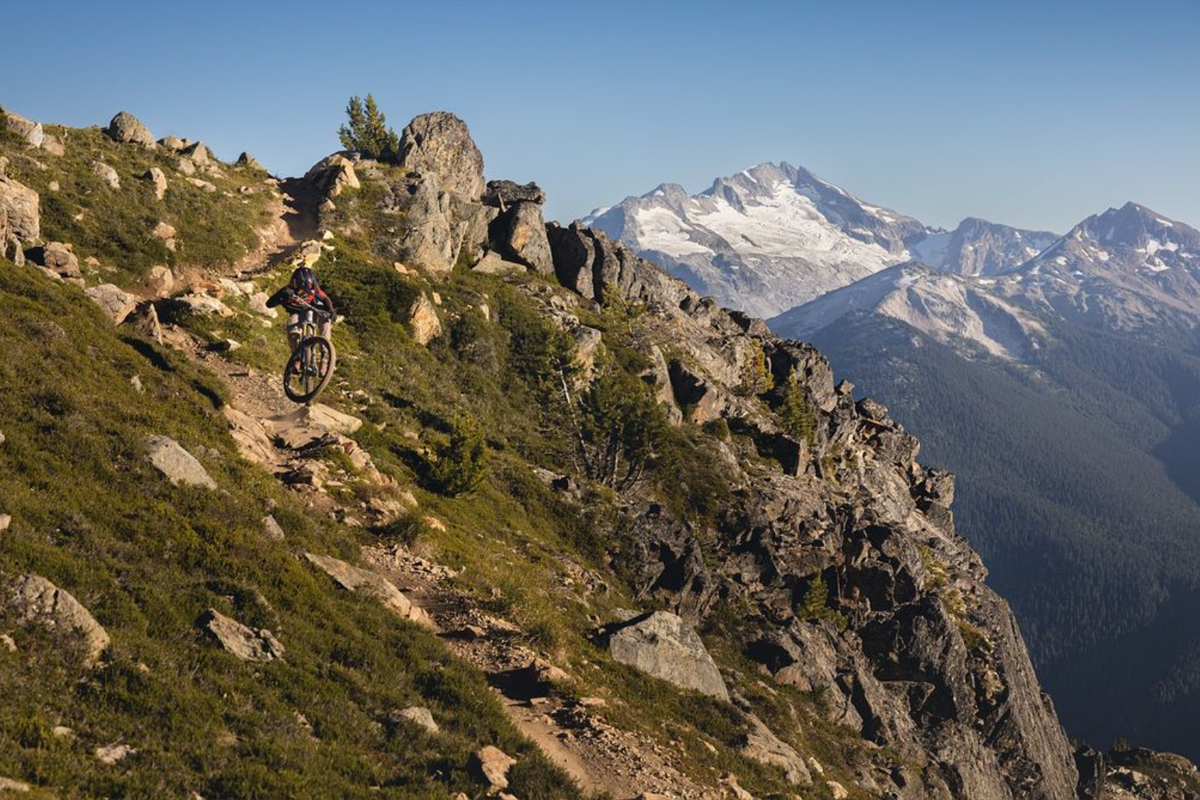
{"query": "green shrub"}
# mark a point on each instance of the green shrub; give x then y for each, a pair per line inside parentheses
(620, 428)
(404, 529)
(462, 462)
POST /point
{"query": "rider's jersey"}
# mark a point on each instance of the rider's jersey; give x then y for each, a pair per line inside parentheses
(295, 301)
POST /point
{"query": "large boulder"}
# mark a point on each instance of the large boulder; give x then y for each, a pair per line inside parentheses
(33, 600)
(113, 301)
(372, 584)
(107, 174)
(248, 644)
(332, 175)
(492, 764)
(520, 233)
(247, 161)
(31, 132)
(574, 255)
(661, 644)
(180, 466)
(426, 238)
(58, 258)
(762, 745)
(128, 129)
(158, 180)
(20, 218)
(502, 193)
(440, 143)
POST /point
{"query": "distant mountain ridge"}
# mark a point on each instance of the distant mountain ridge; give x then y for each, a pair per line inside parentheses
(775, 236)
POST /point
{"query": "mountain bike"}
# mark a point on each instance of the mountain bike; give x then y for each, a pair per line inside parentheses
(311, 365)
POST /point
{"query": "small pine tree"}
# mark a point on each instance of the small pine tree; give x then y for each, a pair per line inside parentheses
(799, 420)
(462, 462)
(367, 131)
(815, 605)
(756, 374)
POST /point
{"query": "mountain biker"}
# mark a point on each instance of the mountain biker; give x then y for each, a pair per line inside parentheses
(301, 293)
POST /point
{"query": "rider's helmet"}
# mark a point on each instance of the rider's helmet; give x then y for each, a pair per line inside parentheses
(303, 280)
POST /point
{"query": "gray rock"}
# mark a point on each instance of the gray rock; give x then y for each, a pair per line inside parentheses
(144, 319)
(160, 280)
(501, 194)
(127, 128)
(205, 305)
(106, 174)
(177, 464)
(520, 234)
(247, 161)
(494, 264)
(427, 236)
(36, 601)
(419, 716)
(423, 321)
(763, 746)
(573, 254)
(174, 143)
(58, 258)
(20, 218)
(197, 153)
(372, 584)
(113, 753)
(158, 180)
(31, 132)
(246, 643)
(113, 300)
(664, 646)
(492, 764)
(272, 529)
(440, 143)
(332, 175)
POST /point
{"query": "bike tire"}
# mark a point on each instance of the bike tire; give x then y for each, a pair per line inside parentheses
(302, 388)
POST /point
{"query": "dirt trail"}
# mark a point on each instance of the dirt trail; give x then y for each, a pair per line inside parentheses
(599, 757)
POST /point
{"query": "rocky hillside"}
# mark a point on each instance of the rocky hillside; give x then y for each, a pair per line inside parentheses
(562, 526)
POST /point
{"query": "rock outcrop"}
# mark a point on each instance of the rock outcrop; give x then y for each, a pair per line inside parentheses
(503, 193)
(854, 580)
(372, 584)
(245, 642)
(30, 132)
(35, 601)
(520, 233)
(128, 129)
(107, 174)
(423, 321)
(663, 645)
(20, 219)
(177, 464)
(116, 303)
(440, 143)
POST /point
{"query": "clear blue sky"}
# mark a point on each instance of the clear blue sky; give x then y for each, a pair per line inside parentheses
(1035, 114)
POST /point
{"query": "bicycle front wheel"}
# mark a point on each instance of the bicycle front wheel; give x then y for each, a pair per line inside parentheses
(309, 370)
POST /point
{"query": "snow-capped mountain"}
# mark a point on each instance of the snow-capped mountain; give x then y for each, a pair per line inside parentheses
(764, 240)
(979, 247)
(1127, 269)
(775, 236)
(961, 311)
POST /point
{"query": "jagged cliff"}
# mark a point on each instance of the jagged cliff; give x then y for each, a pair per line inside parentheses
(684, 562)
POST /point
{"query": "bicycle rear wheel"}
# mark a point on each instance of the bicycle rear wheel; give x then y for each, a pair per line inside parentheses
(309, 370)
